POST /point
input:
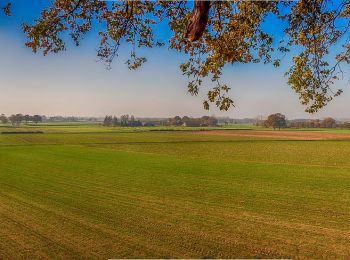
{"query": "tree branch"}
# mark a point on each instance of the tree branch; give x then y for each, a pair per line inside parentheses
(198, 21)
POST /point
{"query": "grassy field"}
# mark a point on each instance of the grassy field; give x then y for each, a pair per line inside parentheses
(93, 128)
(92, 192)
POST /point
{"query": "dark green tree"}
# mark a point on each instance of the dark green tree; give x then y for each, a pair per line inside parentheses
(276, 121)
(36, 119)
(27, 118)
(108, 121)
(3, 119)
(16, 120)
(115, 121)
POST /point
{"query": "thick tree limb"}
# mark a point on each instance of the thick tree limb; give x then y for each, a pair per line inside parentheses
(198, 21)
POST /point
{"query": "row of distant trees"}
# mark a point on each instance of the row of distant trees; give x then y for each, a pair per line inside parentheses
(278, 121)
(191, 121)
(17, 119)
(55, 119)
(124, 120)
(317, 123)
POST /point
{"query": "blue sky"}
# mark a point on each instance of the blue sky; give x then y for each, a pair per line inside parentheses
(74, 83)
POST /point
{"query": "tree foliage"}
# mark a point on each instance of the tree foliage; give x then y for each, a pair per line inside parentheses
(125, 120)
(276, 121)
(7, 9)
(230, 32)
(190, 121)
(16, 119)
(3, 119)
(36, 119)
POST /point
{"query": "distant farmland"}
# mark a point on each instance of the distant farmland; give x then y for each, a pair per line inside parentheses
(91, 192)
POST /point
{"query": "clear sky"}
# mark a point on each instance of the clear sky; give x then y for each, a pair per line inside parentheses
(74, 83)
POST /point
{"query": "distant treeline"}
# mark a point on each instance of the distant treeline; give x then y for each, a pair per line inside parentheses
(318, 123)
(191, 121)
(60, 119)
(278, 120)
(126, 120)
(17, 119)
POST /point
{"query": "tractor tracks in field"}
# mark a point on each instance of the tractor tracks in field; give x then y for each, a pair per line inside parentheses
(104, 145)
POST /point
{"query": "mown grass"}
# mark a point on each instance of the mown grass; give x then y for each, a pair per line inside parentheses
(99, 128)
(172, 195)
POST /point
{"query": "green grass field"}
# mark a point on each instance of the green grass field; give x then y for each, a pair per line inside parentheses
(94, 192)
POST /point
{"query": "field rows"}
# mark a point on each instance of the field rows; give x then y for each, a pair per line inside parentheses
(173, 195)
